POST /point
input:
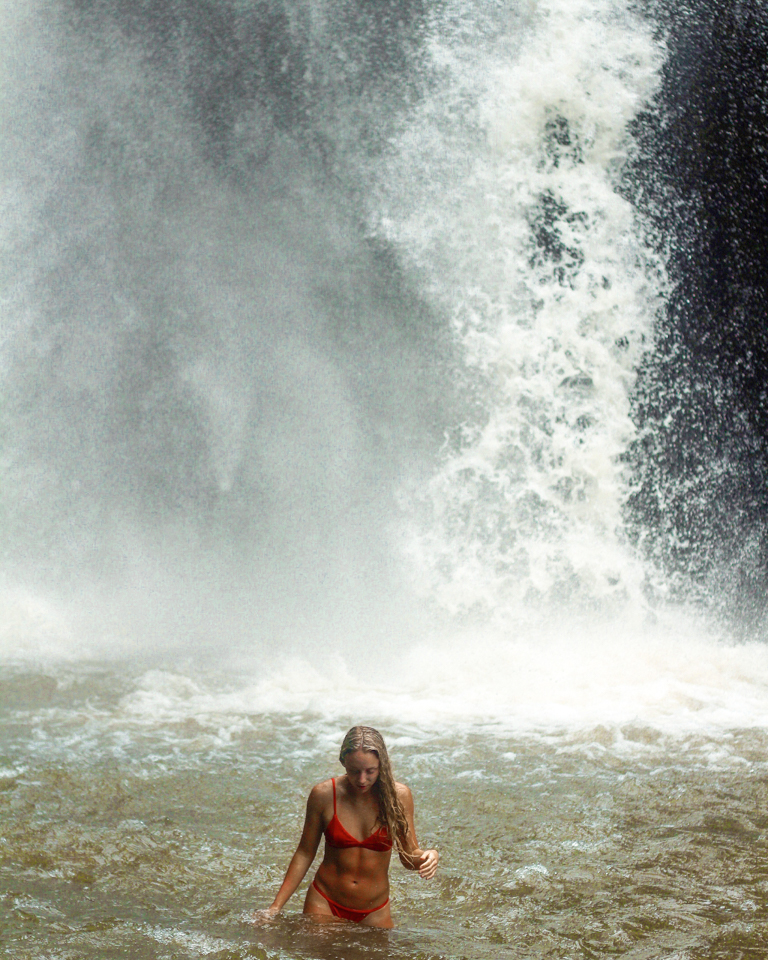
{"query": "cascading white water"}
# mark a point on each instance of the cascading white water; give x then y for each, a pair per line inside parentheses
(514, 220)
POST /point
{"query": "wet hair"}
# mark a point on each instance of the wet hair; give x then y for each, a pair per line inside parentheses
(391, 812)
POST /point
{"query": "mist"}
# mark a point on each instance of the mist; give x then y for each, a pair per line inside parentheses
(214, 376)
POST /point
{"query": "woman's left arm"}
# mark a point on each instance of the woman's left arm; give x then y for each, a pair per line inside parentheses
(412, 856)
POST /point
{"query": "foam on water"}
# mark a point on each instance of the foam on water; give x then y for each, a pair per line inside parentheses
(644, 694)
(681, 688)
(194, 944)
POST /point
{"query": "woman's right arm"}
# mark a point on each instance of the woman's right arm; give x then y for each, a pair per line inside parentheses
(411, 855)
(301, 861)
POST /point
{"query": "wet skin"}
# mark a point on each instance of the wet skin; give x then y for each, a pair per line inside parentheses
(351, 876)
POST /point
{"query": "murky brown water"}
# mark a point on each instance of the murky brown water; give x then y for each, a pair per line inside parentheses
(128, 838)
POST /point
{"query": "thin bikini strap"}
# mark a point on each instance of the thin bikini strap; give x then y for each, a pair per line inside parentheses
(333, 781)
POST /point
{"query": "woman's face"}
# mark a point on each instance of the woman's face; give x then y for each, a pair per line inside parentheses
(362, 768)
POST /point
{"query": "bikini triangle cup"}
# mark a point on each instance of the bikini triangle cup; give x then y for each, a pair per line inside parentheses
(336, 834)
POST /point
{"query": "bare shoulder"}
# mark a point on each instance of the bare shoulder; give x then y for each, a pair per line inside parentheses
(320, 794)
(404, 794)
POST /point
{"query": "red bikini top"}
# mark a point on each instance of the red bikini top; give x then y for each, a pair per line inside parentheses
(336, 835)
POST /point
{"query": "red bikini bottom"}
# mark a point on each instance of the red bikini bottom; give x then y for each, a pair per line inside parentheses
(347, 913)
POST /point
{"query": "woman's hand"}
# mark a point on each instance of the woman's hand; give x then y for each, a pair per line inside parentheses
(264, 916)
(428, 865)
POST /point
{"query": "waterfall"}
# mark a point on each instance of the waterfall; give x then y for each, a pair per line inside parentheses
(503, 193)
(327, 322)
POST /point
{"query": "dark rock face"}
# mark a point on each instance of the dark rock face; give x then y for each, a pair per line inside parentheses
(701, 176)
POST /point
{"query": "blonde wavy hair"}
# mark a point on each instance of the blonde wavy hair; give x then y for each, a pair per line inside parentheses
(391, 812)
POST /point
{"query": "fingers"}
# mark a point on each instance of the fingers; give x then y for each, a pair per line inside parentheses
(428, 867)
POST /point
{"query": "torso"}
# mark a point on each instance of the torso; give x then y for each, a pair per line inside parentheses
(355, 867)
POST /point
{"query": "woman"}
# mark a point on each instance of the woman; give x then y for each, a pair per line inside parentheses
(361, 813)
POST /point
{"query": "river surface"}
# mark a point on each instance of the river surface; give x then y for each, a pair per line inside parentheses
(151, 815)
